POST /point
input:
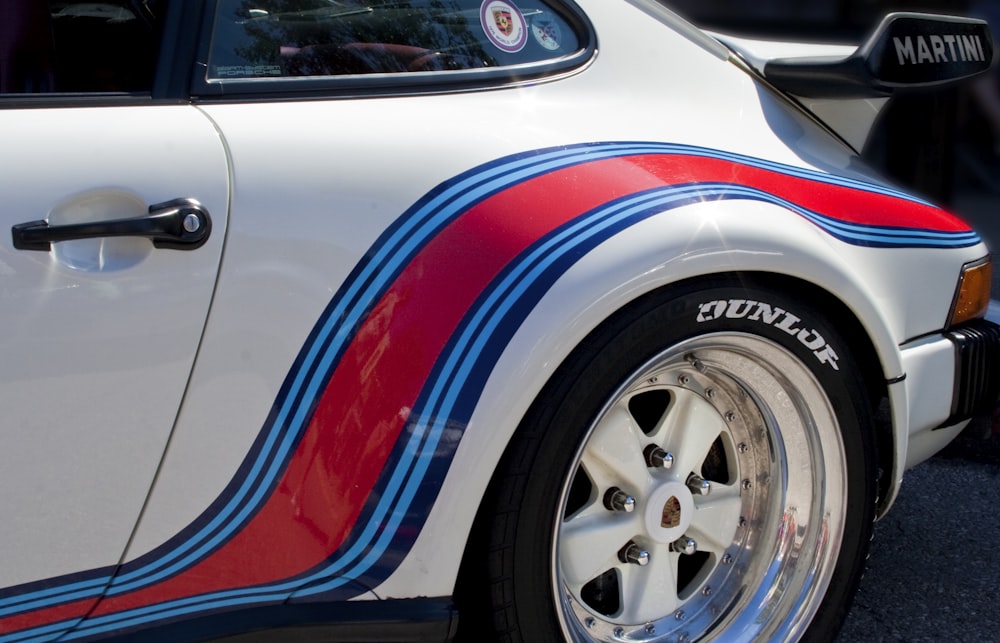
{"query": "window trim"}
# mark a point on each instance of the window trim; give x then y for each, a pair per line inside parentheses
(404, 83)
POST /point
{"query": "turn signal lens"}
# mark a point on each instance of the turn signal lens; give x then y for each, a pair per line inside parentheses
(973, 292)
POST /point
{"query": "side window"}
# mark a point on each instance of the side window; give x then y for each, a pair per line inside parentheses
(77, 47)
(299, 38)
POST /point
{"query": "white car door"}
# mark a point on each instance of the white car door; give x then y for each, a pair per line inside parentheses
(113, 221)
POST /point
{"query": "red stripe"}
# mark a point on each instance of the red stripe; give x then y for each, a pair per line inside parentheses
(836, 201)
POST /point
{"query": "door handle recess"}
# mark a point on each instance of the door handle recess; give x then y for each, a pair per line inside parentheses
(181, 224)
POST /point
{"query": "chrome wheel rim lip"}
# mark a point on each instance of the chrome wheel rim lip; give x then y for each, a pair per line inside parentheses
(767, 576)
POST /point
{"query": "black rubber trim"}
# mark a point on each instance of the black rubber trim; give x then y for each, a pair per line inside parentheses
(977, 369)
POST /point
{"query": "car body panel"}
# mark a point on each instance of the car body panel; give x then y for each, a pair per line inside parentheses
(104, 331)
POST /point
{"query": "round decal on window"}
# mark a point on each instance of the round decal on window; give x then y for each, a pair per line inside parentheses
(546, 32)
(504, 25)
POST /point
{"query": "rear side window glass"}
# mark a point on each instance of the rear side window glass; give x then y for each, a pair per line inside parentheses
(71, 46)
(309, 38)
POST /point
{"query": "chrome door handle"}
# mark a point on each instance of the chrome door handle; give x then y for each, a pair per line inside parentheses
(181, 224)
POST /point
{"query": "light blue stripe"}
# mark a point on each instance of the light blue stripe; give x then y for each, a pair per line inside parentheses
(75, 591)
(43, 633)
(836, 224)
(873, 234)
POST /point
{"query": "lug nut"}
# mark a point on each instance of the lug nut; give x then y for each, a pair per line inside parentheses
(685, 545)
(617, 500)
(699, 485)
(633, 553)
(657, 458)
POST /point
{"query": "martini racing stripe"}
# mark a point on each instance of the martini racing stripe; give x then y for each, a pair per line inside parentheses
(371, 546)
(378, 268)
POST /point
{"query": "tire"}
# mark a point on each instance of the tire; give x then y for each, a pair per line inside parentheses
(703, 466)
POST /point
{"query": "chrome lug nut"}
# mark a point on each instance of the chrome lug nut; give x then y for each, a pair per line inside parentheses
(699, 485)
(617, 500)
(657, 458)
(685, 545)
(634, 554)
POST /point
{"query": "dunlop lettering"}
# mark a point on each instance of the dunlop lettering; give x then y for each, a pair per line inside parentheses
(762, 312)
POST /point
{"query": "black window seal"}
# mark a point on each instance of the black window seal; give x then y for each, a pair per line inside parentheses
(407, 83)
(67, 100)
(179, 47)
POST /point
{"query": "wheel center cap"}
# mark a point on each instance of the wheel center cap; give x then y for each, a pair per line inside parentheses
(669, 512)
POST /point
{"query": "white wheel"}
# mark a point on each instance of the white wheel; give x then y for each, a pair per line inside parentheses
(732, 454)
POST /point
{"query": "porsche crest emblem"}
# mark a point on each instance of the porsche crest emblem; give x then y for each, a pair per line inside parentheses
(671, 516)
(503, 21)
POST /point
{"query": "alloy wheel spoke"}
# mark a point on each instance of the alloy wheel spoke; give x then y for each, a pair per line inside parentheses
(613, 456)
(716, 518)
(649, 592)
(691, 427)
(589, 544)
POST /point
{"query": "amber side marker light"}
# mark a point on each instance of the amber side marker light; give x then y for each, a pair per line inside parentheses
(973, 298)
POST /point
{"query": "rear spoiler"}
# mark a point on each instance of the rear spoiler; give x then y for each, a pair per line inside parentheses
(907, 51)
(847, 86)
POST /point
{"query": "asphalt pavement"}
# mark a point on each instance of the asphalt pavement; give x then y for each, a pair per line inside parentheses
(934, 569)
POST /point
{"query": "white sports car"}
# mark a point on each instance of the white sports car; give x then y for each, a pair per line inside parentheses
(408, 320)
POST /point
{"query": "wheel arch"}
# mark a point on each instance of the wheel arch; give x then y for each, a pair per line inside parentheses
(865, 352)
